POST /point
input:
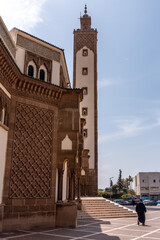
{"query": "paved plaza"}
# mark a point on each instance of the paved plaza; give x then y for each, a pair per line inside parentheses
(104, 229)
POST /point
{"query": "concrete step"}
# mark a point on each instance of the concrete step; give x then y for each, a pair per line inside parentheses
(101, 217)
(102, 208)
(107, 215)
(105, 212)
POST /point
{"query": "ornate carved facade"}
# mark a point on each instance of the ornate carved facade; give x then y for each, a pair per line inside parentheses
(44, 162)
(39, 174)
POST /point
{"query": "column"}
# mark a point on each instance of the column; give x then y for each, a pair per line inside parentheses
(60, 184)
(72, 186)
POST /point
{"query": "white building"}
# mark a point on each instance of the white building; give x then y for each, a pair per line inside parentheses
(147, 184)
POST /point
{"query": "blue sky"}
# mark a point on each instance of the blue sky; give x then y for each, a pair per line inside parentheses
(128, 72)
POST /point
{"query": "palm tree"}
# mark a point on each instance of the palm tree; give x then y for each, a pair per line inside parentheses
(130, 179)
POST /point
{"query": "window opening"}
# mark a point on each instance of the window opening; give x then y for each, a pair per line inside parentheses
(42, 75)
(85, 91)
(85, 52)
(85, 133)
(30, 71)
(84, 111)
(84, 71)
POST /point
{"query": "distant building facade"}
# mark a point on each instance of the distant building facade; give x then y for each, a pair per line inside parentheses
(147, 184)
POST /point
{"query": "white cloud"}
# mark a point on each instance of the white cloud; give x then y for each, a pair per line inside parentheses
(129, 128)
(108, 82)
(23, 14)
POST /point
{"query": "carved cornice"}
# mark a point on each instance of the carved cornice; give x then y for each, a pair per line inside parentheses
(37, 89)
(22, 85)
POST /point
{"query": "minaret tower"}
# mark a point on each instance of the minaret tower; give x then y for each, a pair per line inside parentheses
(85, 77)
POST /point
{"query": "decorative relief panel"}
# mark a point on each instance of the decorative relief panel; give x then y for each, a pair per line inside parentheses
(32, 153)
(88, 40)
(39, 61)
(38, 48)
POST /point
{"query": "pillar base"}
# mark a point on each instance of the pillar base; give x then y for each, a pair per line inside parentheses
(66, 214)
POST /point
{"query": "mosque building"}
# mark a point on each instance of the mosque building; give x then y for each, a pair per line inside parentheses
(48, 130)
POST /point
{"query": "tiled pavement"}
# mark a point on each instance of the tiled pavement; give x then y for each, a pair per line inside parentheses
(104, 229)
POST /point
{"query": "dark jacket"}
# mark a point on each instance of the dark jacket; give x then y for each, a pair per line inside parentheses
(141, 209)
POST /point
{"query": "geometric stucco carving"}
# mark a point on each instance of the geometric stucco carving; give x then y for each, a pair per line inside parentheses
(32, 153)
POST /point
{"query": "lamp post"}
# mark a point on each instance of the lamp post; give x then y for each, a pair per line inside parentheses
(110, 185)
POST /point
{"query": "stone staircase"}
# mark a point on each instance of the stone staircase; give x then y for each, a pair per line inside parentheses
(103, 208)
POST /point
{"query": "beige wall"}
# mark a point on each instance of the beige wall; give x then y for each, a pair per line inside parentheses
(145, 183)
(3, 146)
(88, 101)
(136, 184)
(20, 57)
(55, 73)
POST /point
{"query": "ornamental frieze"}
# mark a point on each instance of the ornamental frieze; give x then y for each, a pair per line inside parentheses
(22, 85)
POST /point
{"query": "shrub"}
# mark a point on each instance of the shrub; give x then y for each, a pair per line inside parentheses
(100, 194)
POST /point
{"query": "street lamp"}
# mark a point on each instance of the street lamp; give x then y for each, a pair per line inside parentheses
(110, 185)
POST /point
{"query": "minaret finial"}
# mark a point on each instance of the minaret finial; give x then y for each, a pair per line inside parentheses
(85, 9)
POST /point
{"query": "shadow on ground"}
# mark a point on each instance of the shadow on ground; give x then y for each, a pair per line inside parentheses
(96, 226)
(86, 229)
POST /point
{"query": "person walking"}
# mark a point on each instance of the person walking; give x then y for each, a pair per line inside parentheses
(133, 201)
(141, 209)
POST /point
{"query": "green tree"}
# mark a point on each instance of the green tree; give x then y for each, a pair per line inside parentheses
(111, 183)
(115, 188)
(120, 182)
(131, 192)
(127, 182)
